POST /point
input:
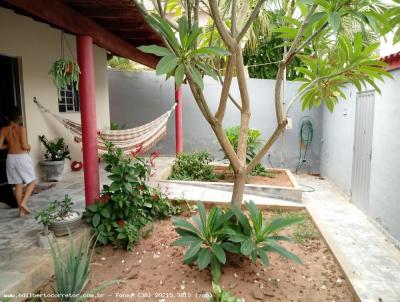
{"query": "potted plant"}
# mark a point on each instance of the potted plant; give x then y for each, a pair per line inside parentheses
(65, 73)
(65, 219)
(45, 217)
(56, 153)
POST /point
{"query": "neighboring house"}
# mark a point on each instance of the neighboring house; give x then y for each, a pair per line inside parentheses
(360, 148)
(30, 41)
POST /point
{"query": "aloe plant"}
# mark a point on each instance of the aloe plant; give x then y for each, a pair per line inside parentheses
(206, 239)
(257, 236)
(72, 273)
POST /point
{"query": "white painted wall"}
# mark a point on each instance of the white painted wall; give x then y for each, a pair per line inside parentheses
(337, 151)
(38, 45)
(137, 98)
(385, 164)
(337, 141)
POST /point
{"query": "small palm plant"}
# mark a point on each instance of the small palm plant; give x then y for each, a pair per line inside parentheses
(257, 236)
(206, 239)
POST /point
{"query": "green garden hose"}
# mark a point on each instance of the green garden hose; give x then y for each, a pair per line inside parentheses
(306, 136)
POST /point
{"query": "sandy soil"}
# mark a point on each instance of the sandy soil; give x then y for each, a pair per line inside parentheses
(154, 271)
(279, 179)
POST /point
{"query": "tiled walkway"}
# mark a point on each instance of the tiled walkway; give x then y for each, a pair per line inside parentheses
(370, 261)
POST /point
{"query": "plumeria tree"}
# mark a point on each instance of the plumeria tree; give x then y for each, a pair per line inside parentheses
(313, 33)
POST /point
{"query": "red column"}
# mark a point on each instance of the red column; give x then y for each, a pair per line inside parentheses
(178, 120)
(84, 46)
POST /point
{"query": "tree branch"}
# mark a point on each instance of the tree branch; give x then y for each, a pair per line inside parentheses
(220, 24)
(250, 20)
(245, 113)
(215, 124)
(219, 115)
(266, 147)
(233, 19)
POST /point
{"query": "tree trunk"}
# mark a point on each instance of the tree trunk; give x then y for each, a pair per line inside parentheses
(238, 186)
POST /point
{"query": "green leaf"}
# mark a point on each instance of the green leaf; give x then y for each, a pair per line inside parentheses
(219, 252)
(334, 21)
(215, 51)
(96, 220)
(208, 70)
(193, 249)
(166, 64)
(202, 212)
(186, 240)
(179, 74)
(280, 223)
(215, 269)
(204, 258)
(247, 247)
(183, 28)
(156, 50)
(182, 223)
(231, 247)
(196, 31)
(105, 213)
(196, 75)
(263, 257)
(115, 185)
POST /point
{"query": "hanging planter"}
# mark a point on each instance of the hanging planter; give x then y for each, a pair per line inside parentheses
(65, 73)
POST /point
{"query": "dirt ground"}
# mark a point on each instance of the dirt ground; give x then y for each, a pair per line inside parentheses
(154, 271)
(279, 179)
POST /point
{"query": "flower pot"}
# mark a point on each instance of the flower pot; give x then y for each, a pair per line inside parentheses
(52, 170)
(44, 241)
(60, 227)
(69, 68)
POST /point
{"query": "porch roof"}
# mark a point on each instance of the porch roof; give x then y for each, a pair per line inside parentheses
(115, 25)
(393, 60)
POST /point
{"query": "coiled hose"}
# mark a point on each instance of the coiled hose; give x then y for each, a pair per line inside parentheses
(306, 136)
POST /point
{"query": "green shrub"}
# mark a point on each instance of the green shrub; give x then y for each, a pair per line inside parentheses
(212, 236)
(193, 166)
(253, 144)
(127, 204)
(55, 149)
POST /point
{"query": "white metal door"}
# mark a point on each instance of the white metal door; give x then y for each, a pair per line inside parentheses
(362, 149)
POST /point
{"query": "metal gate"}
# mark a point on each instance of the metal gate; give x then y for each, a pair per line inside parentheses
(362, 155)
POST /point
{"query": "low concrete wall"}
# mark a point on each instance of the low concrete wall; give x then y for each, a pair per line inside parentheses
(137, 98)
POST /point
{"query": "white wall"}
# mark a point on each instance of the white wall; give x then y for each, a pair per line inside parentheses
(38, 45)
(337, 151)
(385, 164)
(337, 141)
(137, 98)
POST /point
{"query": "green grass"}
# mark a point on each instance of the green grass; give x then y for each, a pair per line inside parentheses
(304, 231)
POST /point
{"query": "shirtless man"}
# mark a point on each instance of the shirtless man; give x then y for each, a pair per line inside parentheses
(19, 166)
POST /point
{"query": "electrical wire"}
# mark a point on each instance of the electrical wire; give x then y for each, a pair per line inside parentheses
(306, 137)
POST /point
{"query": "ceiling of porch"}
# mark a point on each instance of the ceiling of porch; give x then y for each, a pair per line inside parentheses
(116, 25)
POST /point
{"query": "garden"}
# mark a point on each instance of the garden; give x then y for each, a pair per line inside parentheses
(154, 248)
(148, 246)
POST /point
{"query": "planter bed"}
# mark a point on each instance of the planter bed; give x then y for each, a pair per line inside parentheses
(283, 186)
(155, 269)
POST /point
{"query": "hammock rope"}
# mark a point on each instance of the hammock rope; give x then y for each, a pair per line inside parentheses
(133, 140)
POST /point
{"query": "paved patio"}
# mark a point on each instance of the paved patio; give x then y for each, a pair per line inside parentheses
(370, 261)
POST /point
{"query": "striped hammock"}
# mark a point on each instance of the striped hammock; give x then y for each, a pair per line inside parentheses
(134, 140)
